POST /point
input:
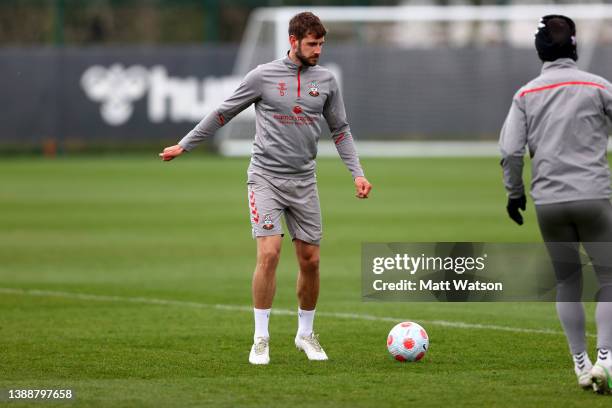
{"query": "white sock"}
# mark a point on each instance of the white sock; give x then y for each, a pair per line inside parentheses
(262, 316)
(305, 322)
(604, 357)
(582, 362)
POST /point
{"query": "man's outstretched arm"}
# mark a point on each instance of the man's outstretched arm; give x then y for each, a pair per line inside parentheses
(247, 93)
(335, 115)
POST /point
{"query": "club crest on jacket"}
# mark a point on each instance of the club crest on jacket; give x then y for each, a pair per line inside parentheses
(314, 89)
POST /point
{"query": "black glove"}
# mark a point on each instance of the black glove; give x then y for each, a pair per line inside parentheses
(514, 204)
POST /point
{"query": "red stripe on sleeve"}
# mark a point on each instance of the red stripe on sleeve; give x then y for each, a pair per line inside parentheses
(339, 138)
(544, 88)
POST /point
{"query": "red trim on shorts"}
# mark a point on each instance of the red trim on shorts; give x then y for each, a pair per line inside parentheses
(253, 207)
(543, 88)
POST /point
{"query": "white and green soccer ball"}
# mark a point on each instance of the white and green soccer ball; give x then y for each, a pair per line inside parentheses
(407, 341)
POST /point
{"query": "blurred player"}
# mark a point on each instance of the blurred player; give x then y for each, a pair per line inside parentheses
(291, 96)
(562, 117)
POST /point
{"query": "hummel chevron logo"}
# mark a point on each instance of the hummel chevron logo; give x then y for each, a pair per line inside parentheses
(116, 88)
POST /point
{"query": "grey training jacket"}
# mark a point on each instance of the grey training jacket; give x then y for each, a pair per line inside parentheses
(562, 116)
(290, 103)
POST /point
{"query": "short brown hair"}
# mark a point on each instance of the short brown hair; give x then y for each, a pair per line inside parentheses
(306, 23)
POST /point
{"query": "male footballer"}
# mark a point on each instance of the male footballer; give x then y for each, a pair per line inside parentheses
(562, 116)
(292, 96)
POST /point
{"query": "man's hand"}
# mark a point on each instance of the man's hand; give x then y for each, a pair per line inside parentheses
(171, 152)
(514, 204)
(363, 187)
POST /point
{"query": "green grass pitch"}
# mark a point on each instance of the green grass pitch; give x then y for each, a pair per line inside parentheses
(111, 268)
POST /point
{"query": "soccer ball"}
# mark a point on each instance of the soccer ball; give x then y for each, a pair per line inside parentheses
(407, 341)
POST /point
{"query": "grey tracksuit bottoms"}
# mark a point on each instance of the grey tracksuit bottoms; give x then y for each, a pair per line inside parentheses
(564, 226)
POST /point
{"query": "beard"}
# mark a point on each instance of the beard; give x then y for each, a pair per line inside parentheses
(309, 62)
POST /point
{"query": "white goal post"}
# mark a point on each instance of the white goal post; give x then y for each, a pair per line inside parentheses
(425, 109)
